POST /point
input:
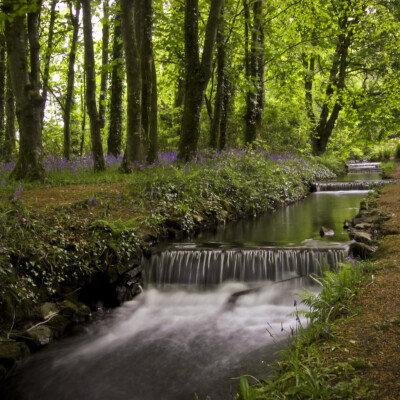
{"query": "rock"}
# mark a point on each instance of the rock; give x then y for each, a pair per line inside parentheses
(59, 324)
(347, 224)
(326, 231)
(11, 352)
(362, 237)
(363, 205)
(40, 336)
(361, 250)
(3, 371)
(363, 227)
(68, 308)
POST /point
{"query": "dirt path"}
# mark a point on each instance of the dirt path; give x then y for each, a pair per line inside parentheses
(374, 333)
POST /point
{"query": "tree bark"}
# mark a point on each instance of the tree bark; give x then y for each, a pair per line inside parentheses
(70, 79)
(104, 64)
(215, 128)
(197, 73)
(97, 148)
(9, 139)
(144, 11)
(2, 84)
(46, 74)
(255, 100)
(25, 85)
(336, 84)
(114, 141)
(134, 146)
(153, 148)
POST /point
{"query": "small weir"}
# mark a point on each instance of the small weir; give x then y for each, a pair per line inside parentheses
(213, 267)
(363, 167)
(355, 185)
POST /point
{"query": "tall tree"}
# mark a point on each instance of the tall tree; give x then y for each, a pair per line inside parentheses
(104, 63)
(198, 72)
(9, 138)
(47, 57)
(333, 101)
(2, 84)
(144, 22)
(71, 78)
(255, 70)
(221, 85)
(97, 148)
(114, 141)
(134, 144)
(25, 85)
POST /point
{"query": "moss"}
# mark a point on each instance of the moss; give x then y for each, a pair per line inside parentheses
(10, 352)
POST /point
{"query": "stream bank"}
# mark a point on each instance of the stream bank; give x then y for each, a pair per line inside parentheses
(71, 250)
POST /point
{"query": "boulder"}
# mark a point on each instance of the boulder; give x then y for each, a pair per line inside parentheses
(363, 227)
(59, 324)
(361, 250)
(40, 336)
(11, 352)
(362, 237)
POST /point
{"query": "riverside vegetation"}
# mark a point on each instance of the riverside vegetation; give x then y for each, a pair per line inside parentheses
(75, 244)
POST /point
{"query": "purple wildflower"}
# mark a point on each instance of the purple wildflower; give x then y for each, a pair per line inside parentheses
(327, 330)
(295, 303)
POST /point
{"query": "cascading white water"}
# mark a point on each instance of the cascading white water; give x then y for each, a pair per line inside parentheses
(356, 185)
(167, 345)
(213, 266)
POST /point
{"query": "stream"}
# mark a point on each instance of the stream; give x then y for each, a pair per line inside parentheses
(182, 338)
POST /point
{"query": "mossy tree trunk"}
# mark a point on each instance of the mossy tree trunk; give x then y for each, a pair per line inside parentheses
(47, 58)
(2, 86)
(114, 141)
(134, 146)
(215, 128)
(25, 85)
(197, 73)
(104, 64)
(10, 137)
(71, 78)
(255, 70)
(95, 125)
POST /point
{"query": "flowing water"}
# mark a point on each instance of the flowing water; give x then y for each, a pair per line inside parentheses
(183, 336)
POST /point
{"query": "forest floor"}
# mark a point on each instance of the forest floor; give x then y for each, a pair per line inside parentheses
(373, 334)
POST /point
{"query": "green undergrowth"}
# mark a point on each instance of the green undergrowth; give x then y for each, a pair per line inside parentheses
(48, 251)
(302, 371)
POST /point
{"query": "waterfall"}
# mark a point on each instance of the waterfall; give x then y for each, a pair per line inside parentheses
(364, 167)
(356, 185)
(214, 266)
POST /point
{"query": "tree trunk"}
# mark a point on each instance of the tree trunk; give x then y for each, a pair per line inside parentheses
(255, 100)
(71, 79)
(219, 98)
(97, 148)
(224, 117)
(197, 73)
(153, 149)
(26, 90)
(134, 145)
(2, 84)
(336, 84)
(9, 139)
(114, 141)
(144, 11)
(104, 64)
(46, 74)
